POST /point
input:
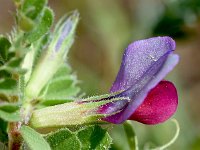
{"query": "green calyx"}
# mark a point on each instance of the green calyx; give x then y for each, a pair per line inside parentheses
(71, 114)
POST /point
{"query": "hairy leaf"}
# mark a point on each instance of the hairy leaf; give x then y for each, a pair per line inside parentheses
(8, 86)
(3, 131)
(9, 107)
(13, 66)
(33, 8)
(33, 139)
(94, 137)
(12, 117)
(63, 139)
(42, 27)
(4, 46)
(9, 90)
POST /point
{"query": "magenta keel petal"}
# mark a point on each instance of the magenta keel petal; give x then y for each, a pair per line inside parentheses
(159, 105)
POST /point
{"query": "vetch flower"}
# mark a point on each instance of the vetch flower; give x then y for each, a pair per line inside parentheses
(138, 93)
(145, 63)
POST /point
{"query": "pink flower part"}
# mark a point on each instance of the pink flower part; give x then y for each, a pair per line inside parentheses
(159, 105)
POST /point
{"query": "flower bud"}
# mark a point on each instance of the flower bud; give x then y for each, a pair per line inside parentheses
(54, 56)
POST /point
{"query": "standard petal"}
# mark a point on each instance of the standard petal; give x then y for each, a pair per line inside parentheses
(138, 58)
(159, 105)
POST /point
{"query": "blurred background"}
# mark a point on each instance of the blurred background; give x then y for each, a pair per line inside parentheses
(105, 30)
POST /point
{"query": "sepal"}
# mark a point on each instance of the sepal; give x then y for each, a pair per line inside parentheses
(72, 114)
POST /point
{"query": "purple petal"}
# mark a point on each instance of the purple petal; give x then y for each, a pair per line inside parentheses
(155, 60)
(139, 56)
(65, 31)
(159, 105)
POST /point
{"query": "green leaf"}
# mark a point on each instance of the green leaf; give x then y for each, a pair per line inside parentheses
(8, 89)
(3, 125)
(4, 74)
(4, 46)
(34, 140)
(25, 23)
(33, 8)
(8, 86)
(13, 66)
(41, 27)
(11, 117)
(3, 137)
(3, 131)
(11, 55)
(63, 139)
(94, 137)
(14, 62)
(9, 107)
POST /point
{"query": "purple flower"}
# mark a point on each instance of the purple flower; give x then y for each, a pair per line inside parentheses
(149, 99)
(138, 93)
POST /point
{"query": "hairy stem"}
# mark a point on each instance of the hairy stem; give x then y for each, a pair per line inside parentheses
(14, 135)
(15, 139)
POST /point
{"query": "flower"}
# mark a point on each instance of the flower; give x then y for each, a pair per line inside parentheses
(144, 65)
(139, 92)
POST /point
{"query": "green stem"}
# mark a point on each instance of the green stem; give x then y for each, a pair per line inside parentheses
(130, 134)
(26, 112)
